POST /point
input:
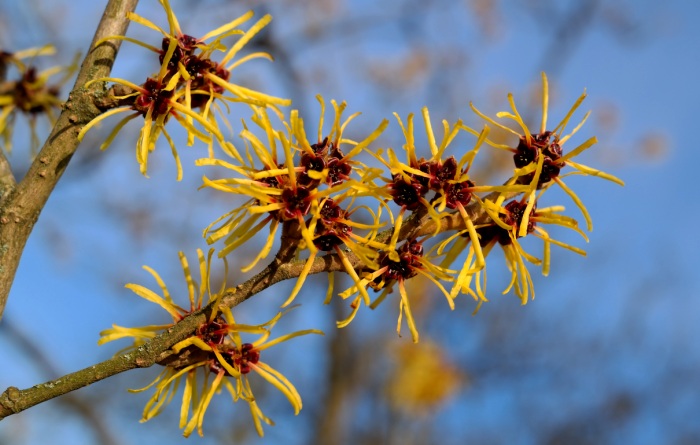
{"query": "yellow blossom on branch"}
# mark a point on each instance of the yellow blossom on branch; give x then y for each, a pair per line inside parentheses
(411, 262)
(186, 87)
(504, 230)
(30, 94)
(212, 358)
(539, 157)
(195, 292)
(231, 357)
(439, 184)
(304, 190)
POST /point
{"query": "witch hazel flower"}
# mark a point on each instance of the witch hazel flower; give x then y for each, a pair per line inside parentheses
(185, 88)
(303, 191)
(213, 358)
(412, 261)
(439, 184)
(271, 183)
(175, 371)
(504, 230)
(540, 157)
(31, 94)
(228, 358)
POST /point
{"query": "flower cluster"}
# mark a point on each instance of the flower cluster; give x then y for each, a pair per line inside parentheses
(212, 358)
(382, 221)
(539, 157)
(188, 87)
(304, 191)
(310, 192)
(409, 261)
(31, 94)
(538, 160)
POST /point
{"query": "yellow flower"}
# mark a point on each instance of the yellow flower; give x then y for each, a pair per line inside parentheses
(539, 157)
(326, 164)
(167, 382)
(504, 230)
(231, 357)
(333, 228)
(164, 300)
(208, 359)
(444, 176)
(31, 94)
(303, 191)
(411, 262)
(186, 86)
(272, 188)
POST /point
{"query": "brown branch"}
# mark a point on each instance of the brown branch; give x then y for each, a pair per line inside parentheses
(157, 350)
(7, 183)
(21, 208)
(117, 96)
(13, 400)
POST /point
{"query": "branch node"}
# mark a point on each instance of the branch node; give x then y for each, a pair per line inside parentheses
(9, 399)
(142, 363)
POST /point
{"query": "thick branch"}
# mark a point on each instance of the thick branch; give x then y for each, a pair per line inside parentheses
(7, 183)
(157, 350)
(22, 206)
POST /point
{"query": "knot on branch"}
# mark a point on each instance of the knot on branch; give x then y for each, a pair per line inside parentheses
(144, 360)
(116, 96)
(9, 401)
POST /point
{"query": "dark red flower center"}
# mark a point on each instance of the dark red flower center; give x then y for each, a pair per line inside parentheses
(546, 144)
(297, 202)
(213, 332)
(410, 254)
(407, 194)
(240, 359)
(153, 97)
